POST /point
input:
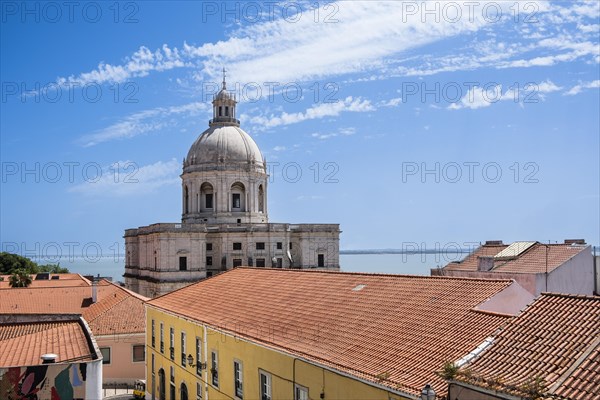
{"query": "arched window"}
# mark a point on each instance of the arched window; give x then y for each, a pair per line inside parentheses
(161, 384)
(220, 111)
(184, 391)
(226, 111)
(261, 199)
(206, 197)
(238, 197)
(186, 200)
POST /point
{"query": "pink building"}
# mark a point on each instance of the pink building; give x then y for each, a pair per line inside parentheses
(115, 316)
(562, 268)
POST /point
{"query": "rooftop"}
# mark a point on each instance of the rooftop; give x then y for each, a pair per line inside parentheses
(116, 311)
(521, 257)
(556, 340)
(54, 280)
(23, 340)
(393, 330)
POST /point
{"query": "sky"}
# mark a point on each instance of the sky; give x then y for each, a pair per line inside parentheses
(408, 123)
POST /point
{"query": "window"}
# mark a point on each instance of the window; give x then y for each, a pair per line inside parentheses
(226, 111)
(172, 389)
(172, 343)
(237, 376)
(321, 260)
(183, 391)
(279, 245)
(214, 368)
(183, 346)
(208, 199)
(235, 200)
(153, 334)
(220, 111)
(279, 262)
(152, 363)
(138, 352)
(265, 386)
(198, 356)
(260, 262)
(301, 393)
(237, 246)
(237, 262)
(290, 245)
(209, 260)
(260, 245)
(208, 246)
(105, 355)
(198, 391)
(162, 338)
(183, 263)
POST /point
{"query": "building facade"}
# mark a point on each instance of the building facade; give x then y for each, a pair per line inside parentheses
(114, 314)
(224, 222)
(48, 357)
(558, 267)
(262, 333)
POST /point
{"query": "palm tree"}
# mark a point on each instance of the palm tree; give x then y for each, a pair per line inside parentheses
(19, 278)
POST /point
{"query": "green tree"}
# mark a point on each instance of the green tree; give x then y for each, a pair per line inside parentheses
(9, 263)
(19, 278)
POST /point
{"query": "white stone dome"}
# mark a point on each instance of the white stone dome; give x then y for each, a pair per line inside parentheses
(224, 145)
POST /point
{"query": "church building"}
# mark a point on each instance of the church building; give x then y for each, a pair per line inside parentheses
(224, 221)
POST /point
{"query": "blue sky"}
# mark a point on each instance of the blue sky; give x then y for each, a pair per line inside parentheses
(434, 123)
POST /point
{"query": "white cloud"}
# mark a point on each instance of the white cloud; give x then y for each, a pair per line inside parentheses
(127, 178)
(478, 97)
(349, 104)
(582, 86)
(279, 148)
(340, 132)
(481, 97)
(141, 122)
(139, 64)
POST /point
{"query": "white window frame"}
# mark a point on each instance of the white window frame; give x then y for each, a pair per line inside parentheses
(237, 378)
(214, 365)
(300, 388)
(269, 385)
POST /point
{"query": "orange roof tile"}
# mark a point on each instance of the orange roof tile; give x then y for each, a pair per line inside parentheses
(117, 310)
(23, 343)
(556, 339)
(401, 327)
(66, 280)
(533, 260)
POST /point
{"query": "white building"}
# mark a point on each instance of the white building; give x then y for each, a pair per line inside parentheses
(224, 222)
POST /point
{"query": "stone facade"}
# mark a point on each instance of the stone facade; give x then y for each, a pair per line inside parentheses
(225, 222)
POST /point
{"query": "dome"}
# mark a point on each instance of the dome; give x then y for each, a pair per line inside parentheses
(224, 144)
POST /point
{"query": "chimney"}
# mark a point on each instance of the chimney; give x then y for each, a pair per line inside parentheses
(485, 263)
(574, 241)
(94, 290)
(49, 358)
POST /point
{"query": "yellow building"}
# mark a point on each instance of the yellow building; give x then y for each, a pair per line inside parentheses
(255, 333)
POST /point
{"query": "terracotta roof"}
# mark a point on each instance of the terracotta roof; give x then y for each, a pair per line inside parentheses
(395, 330)
(556, 340)
(63, 280)
(533, 260)
(117, 309)
(22, 343)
